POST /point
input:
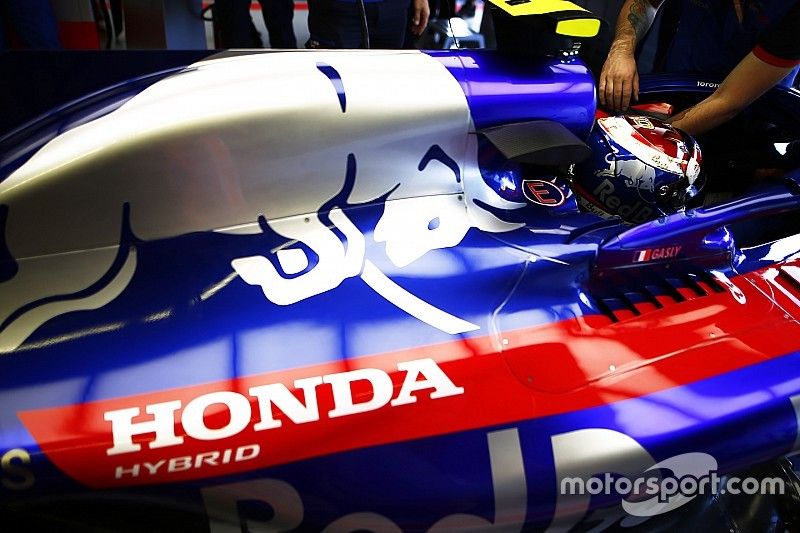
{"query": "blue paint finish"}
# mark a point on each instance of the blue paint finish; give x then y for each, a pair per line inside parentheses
(701, 232)
(504, 90)
(333, 75)
(503, 176)
(342, 317)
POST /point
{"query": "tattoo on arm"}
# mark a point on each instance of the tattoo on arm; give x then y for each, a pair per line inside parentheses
(634, 20)
(638, 17)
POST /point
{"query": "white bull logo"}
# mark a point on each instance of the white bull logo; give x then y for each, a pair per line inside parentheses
(410, 228)
(226, 141)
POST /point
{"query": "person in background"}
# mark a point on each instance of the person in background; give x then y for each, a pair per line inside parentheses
(339, 24)
(753, 44)
(439, 9)
(32, 22)
(237, 30)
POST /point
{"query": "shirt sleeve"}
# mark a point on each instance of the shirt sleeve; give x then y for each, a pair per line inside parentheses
(779, 46)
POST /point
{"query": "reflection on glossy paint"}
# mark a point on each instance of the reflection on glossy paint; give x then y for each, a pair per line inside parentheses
(159, 315)
(436, 264)
(216, 287)
(660, 418)
(492, 88)
(216, 357)
(34, 296)
(695, 315)
(685, 410)
(772, 275)
(293, 344)
(784, 250)
(359, 338)
(78, 334)
(480, 261)
(413, 305)
(35, 395)
(786, 388)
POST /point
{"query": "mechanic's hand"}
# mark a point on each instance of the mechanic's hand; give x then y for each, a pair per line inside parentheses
(619, 80)
(419, 20)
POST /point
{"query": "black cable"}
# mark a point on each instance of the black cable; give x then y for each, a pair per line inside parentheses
(364, 25)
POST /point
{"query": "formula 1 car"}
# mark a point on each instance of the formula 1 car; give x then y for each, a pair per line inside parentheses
(283, 291)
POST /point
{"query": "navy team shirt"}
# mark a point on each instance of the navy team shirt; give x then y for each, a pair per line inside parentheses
(711, 40)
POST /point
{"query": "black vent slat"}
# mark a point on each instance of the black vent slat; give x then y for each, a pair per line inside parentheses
(606, 310)
(691, 282)
(651, 297)
(712, 282)
(672, 290)
(618, 304)
(628, 304)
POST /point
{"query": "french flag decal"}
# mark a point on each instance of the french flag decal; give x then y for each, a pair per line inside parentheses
(655, 254)
(643, 256)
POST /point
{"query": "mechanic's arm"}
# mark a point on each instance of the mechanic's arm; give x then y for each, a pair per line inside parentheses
(619, 79)
(419, 19)
(751, 78)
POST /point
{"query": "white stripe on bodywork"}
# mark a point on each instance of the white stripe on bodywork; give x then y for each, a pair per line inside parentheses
(413, 305)
(771, 276)
(784, 250)
(20, 329)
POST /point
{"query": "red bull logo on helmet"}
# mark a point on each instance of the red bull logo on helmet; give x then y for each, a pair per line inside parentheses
(636, 213)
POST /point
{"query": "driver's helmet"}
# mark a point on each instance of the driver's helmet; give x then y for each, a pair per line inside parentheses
(640, 169)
